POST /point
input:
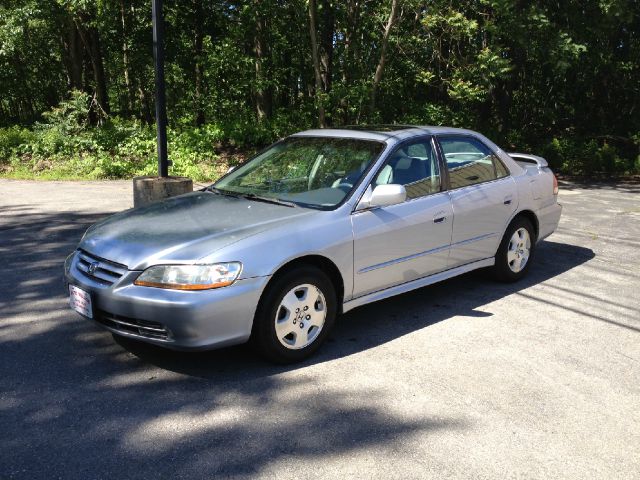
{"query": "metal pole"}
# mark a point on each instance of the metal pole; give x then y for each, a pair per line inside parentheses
(161, 108)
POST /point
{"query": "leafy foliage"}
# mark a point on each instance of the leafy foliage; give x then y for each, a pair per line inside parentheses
(117, 149)
(76, 77)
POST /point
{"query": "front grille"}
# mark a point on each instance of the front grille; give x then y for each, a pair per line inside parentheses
(98, 269)
(143, 328)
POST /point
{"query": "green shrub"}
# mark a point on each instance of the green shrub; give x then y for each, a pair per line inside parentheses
(67, 146)
(558, 154)
(586, 156)
(12, 139)
(71, 116)
(607, 159)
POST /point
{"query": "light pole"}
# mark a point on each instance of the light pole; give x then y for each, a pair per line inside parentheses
(151, 189)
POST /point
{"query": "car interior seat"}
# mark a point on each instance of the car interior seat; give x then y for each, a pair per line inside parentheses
(385, 176)
(409, 170)
(405, 170)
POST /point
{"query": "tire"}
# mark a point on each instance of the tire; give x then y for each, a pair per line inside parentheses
(516, 251)
(295, 315)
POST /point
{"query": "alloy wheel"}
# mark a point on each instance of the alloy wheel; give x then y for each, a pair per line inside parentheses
(519, 250)
(300, 316)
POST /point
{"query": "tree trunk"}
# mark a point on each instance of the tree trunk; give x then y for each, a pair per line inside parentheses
(349, 38)
(72, 55)
(138, 81)
(144, 105)
(198, 38)
(125, 59)
(87, 78)
(98, 69)
(326, 55)
(263, 94)
(383, 52)
(316, 61)
(91, 40)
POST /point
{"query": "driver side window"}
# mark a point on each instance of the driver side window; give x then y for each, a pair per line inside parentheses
(414, 165)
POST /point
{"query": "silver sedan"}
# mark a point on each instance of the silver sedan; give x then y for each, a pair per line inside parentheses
(315, 225)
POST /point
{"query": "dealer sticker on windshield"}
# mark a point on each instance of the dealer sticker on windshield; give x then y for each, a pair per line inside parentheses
(80, 301)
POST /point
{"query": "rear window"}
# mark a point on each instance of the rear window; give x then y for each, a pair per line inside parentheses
(470, 162)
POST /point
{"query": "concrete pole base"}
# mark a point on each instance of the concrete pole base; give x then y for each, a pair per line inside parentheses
(147, 190)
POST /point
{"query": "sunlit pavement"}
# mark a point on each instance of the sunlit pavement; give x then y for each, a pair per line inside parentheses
(465, 379)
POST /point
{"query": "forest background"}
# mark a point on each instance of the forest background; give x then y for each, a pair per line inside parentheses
(556, 78)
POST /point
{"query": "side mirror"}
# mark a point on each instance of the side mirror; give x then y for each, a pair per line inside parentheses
(384, 196)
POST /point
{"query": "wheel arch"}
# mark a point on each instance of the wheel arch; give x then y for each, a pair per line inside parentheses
(529, 215)
(322, 263)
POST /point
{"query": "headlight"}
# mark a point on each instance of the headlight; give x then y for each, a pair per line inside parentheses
(190, 277)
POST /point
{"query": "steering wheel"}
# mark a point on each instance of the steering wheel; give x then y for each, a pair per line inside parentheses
(275, 186)
(344, 186)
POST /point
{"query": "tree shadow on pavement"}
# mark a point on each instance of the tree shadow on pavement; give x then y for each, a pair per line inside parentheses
(76, 404)
(622, 185)
(33, 248)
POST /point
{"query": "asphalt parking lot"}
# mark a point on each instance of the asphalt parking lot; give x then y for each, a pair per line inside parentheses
(464, 379)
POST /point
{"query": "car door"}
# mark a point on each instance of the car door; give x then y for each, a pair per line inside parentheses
(407, 241)
(483, 196)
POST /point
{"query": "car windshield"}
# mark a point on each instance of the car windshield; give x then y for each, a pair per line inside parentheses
(308, 171)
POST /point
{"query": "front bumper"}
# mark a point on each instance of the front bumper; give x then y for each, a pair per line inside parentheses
(182, 320)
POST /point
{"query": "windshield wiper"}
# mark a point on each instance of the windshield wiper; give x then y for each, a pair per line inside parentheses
(213, 189)
(250, 196)
(258, 198)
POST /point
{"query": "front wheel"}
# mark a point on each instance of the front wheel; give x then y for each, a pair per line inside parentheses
(295, 315)
(513, 259)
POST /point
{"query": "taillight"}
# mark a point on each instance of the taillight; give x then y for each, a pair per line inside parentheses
(555, 185)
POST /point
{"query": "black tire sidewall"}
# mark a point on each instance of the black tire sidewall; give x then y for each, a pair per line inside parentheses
(501, 269)
(264, 334)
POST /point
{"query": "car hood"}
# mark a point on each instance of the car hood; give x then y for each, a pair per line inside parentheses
(183, 229)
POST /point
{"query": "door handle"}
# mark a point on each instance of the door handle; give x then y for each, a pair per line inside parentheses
(439, 217)
(508, 200)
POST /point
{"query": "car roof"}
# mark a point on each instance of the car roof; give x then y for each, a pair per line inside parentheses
(391, 135)
(383, 132)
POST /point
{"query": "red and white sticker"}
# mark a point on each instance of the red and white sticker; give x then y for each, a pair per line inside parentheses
(80, 301)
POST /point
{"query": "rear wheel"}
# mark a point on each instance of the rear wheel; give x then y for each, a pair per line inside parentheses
(513, 259)
(295, 315)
